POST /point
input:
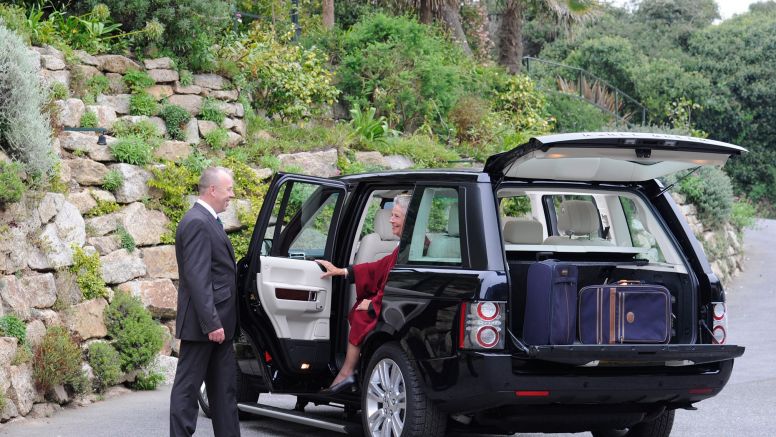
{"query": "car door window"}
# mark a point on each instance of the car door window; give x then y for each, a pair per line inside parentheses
(435, 237)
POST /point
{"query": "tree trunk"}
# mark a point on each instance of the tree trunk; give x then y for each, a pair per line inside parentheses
(448, 11)
(328, 14)
(511, 36)
(426, 14)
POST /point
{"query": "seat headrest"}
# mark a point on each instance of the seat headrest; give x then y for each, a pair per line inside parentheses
(578, 217)
(383, 225)
(523, 231)
(452, 220)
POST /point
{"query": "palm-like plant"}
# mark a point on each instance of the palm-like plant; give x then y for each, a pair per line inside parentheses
(566, 12)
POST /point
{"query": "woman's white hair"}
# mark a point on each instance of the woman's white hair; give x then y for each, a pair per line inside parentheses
(403, 201)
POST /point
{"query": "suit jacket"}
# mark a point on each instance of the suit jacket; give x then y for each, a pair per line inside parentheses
(207, 292)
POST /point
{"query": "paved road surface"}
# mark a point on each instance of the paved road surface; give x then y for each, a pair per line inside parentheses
(744, 408)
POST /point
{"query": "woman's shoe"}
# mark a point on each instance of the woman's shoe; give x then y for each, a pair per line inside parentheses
(341, 386)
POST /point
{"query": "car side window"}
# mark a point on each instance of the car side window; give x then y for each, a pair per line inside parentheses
(639, 235)
(435, 237)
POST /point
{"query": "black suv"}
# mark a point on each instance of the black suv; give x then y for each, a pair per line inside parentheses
(448, 351)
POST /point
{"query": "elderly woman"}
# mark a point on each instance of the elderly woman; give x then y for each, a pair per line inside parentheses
(370, 281)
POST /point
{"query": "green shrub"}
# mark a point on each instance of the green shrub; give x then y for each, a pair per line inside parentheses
(89, 119)
(185, 78)
(468, 116)
(59, 91)
(217, 138)
(143, 103)
(175, 182)
(126, 239)
(106, 364)
(113, 180)
(137, 337)
(103, 207)
(175, 117)
(144, 129)
(23, 355)
(25, 129)
(573, 114)
(97, 84)
(518, 97)
(283, 78)
(367, 128)
(147, 380)
(424, 151)
(211, 111)
(132, 150)
(743, 215)
(711, 192)
(88, 273)
(12, 326)
(137, 81)
(57, 360)
(11, 186)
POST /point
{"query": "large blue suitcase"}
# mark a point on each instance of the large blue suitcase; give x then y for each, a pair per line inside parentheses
(550, 303)
(624, 313)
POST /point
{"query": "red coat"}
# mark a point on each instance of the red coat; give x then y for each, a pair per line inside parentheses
(370, 281)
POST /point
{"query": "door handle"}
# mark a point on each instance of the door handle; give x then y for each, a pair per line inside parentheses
(317, 299)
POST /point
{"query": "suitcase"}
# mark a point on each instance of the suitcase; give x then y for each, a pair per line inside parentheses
(551, 303)
(624, 313)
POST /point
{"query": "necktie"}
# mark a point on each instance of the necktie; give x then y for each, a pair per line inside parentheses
(218, 219)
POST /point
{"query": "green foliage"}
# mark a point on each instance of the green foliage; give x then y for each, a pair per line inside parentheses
(106, 364)
(424, 151)
(367, 128)
(25, 130)
(137, 337)
(175, 118)
(211, 111)
(132, 150)
(97, 84)
(143, 129)
(89, 119)
(23, 355)
(126, 239)
(137, 81)
(12, 326)
(407, 71)
(147, 380)
(59, 91)
(11, 186)
(249, 187)
(217, 138)
(113, 180)
(88, 274)
(142, 103)
(174, 181)
(743, 215)
(57, 360)
(574, 114)
(710, 191)
(103, 207)
(283, 78)
(185, 78)
(469, 116)
(517, 96)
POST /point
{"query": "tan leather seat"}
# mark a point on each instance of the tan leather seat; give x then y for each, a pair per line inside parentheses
(380, 243)
(579, 224)
(523, 231)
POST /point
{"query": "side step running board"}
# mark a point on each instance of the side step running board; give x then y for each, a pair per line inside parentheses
(330, 424)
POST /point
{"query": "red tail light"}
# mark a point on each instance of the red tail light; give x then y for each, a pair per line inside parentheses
(481, 325)
(719, 325)
(532, 393)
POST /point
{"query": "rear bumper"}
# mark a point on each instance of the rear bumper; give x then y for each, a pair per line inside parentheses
(531, 395)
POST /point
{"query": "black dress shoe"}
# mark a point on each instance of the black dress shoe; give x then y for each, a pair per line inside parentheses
(341, 386)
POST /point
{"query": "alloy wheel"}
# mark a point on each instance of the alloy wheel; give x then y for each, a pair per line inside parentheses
(386, 400)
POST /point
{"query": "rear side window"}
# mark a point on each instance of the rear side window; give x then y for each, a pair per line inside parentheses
(639, 235)
(435, 236)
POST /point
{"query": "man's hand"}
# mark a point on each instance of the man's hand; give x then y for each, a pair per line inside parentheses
(364, 305)
(217, 336)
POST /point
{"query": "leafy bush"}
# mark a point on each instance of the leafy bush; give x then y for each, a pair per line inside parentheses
(144, 129)
(113, 180)
(132, 150)
(137, 337)
(103, 207)
(143, 103)
(367, 128)
(468, 116)
(743, 215)
(57, 360)
(217, 138)
(97, 84)
(89, 119)
(11, 185)
(137, 81)
(518, 97)
(573, 114)
(283, 78)
(59, 91)
(425, 152)
(175, 117)
(711, 192)
(147, 380)
(212, 112)
(406, 70)
(25, 130)
(185, 78)
(12, 326)
(88, 273)
(174, 181)
(126, 239)
(106, 364)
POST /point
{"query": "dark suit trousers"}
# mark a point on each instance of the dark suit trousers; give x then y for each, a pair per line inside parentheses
(215, 364)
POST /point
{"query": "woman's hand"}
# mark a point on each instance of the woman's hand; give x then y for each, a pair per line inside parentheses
(331, 269)
(364, 305)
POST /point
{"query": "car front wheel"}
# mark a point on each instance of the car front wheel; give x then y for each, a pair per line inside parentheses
(392, 400)
(657, 427)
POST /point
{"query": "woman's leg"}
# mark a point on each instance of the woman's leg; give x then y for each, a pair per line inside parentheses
(349, 366)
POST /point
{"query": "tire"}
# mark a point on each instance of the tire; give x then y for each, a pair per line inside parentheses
(657, 427)
(245, 393)
(392, 396)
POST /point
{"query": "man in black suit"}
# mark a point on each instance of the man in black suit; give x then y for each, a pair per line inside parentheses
(207, 311)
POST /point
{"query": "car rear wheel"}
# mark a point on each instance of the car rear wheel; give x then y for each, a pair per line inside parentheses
(392, 400)
(657, 427)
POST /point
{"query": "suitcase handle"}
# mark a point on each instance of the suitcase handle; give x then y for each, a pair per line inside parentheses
(629, 282)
